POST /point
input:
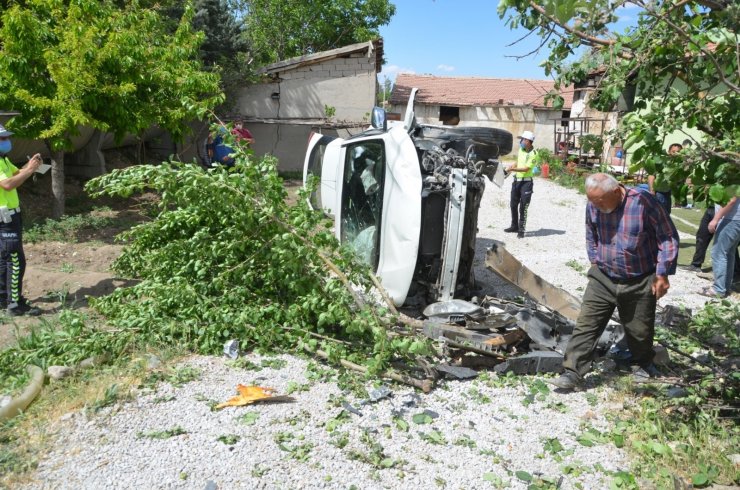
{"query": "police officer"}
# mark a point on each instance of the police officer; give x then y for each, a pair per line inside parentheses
(12, 258)
(522, 187)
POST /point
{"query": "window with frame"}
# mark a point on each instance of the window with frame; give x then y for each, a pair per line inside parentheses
(449, 115)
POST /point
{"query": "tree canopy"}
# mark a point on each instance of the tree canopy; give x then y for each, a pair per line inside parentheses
(280, 29)
(71, 63)
(682, 57)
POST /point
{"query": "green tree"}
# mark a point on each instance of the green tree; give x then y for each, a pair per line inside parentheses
(217, 19)
(72, 63)
(384, 94)
(682, 58)
(280, 29)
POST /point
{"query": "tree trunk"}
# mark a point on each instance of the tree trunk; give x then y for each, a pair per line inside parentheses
(57, 183)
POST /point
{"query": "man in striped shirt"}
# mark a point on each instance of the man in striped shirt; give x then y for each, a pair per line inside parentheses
(632, 245)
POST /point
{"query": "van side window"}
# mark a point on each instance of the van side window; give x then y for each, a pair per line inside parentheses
(315, 165)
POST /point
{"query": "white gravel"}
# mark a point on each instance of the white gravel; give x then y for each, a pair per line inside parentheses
(488, 430)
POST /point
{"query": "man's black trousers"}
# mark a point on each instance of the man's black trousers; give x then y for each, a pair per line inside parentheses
(521, 194)
(12, 260)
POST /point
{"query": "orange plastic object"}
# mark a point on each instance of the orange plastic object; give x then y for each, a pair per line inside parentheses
(247, 395)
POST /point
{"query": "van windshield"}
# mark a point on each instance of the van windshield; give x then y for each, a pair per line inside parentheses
(362, 199)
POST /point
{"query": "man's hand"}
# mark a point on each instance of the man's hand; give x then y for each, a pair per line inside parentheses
(660, 286)
(712, 226)
(34, 163)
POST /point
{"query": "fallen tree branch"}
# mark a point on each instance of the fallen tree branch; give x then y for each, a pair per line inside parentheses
(425, 385)
(384, 294)
(705, 364)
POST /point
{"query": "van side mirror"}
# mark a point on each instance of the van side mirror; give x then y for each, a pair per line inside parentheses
(378, 119)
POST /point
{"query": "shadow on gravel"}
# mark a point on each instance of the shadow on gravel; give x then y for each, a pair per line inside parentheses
(546, 232)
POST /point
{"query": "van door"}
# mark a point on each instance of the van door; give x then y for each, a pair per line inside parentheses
(322, 161)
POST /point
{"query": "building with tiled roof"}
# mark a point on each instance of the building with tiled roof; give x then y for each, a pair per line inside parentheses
(515, 105)
(475, 91)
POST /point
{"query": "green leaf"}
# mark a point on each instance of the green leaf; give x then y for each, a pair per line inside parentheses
(659, 448)
(717, 193)
(401, 424)
(523, 475)
(249, 418)
(493, 478)
(422, 419)
(618, 440)
(700, 479)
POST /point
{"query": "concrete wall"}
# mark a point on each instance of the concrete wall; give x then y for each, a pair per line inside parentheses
(347, 84)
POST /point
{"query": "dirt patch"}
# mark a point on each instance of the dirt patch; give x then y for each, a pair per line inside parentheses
(292, 186)
(62, 274)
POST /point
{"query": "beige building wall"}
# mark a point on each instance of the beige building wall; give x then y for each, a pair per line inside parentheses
(346, 84)
(279, 112)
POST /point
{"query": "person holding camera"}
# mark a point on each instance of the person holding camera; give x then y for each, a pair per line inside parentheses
(12, 258)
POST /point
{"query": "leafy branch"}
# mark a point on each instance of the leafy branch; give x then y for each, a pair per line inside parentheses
(227, 257)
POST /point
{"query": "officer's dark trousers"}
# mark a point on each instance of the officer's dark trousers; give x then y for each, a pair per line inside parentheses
(521, 195)
(703, 237)
(635, 301)
(12, 260)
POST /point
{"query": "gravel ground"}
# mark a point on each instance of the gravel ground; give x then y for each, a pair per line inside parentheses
(478, 434)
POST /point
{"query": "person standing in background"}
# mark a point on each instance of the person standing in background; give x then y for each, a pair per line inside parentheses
(241, 133)
(726, 228)
(523, 185)
(661, 188)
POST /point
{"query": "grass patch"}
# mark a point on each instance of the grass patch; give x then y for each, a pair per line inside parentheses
(162, 434)
(571, 181)
(691, 436)
(576, 266)
(67, 228)
(687, 222)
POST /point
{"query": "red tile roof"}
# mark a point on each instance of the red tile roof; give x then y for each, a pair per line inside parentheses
(473, 91)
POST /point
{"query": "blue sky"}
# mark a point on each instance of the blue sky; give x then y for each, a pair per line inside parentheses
(458, 38)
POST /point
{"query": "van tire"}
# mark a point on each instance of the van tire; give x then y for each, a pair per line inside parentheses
(489, 142)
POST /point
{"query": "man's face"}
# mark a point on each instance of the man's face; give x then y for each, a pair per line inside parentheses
(525, 143)
(606, 202)
(673, 150)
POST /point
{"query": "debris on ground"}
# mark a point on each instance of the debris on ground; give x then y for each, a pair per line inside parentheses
(251, 394)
